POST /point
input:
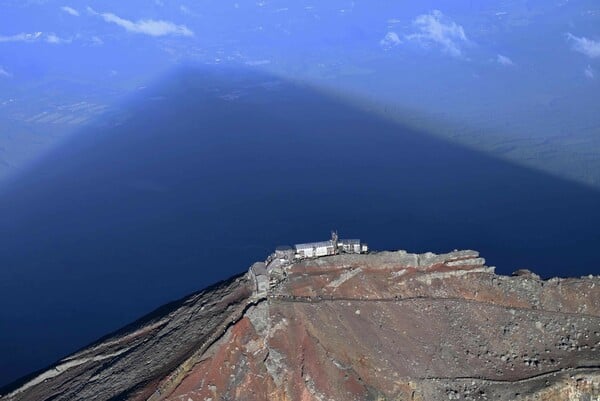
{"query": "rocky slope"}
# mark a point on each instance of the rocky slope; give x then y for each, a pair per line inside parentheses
(383, 326)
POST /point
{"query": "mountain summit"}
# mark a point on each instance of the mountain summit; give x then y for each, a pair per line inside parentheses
(378, 326)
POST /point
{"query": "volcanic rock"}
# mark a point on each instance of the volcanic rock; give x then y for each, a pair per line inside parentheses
(382, 326)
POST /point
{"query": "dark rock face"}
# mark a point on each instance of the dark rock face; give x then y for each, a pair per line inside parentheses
(137, 359)
(384, 326)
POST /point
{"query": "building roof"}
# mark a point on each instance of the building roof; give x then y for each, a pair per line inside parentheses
(311, 245)
(350, 241)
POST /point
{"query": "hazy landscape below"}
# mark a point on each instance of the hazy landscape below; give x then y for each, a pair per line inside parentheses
(519, 80)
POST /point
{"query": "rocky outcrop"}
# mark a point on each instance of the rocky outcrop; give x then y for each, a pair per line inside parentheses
(383, 326)
(151, 352)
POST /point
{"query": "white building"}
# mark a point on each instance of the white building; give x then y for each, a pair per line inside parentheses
(331, 247)
(315, 249)
(350, 245)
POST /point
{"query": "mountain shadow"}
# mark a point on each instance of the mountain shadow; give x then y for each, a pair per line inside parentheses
(209, 170)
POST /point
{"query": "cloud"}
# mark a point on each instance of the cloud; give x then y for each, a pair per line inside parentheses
(147, 27)
(589, 72)
(436, 29)
(96, 41)
(254, 63)
(21, 37)
(70, 11)
(34, 37)
(55, 40)
(188, 11)
(589, 47)
(4, 73)
(390, 40)
(503, 60)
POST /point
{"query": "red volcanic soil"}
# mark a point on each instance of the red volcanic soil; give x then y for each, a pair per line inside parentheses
(383, 326)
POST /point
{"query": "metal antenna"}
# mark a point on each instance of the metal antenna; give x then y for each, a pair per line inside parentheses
(334, 239)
